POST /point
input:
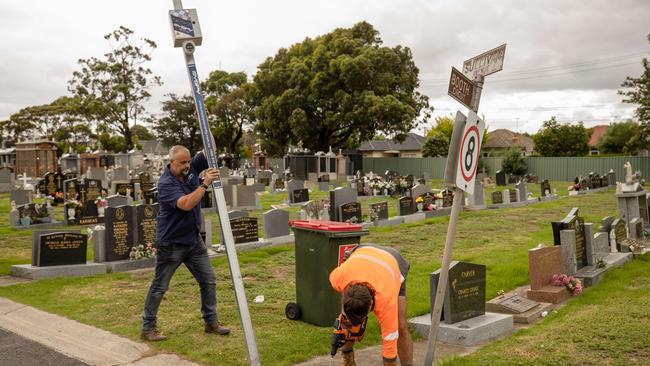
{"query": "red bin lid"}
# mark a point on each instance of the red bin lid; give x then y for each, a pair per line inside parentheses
(325, 225)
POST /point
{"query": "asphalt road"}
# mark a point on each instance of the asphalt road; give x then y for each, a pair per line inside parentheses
(18, 351)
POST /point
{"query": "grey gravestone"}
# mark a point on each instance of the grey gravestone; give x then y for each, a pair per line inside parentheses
(497, 198)
(294, 185)
(275, 223)
(224, 173)
(227, 193)
(568, 247)
(601, 246)
(323, 186)
(235, 214)
(119, 232)
(506, 196)
(98, 173)
(545, 187)
(611, 178)
(244, 196)
(259, 187)
(501, 178)
(405, 206)
(244, 229)
(477, 198)
(338, 197)
(300, 195)
(380, 210)
(6, 176)
(314, 210)
(523, 193)
(465, 294)
(117, 200)
(636, 228)
(620, 232)
(350, 212)
(145, 220)
(38, 213)
(589, 244)
(122, 188)
(574, 222)
(419, 189)
(60, 248)
(120, 173)
(20, 196)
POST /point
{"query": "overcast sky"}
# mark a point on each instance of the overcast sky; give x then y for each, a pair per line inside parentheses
(563, 58)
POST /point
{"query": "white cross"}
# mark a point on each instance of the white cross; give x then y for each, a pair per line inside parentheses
(24, 178)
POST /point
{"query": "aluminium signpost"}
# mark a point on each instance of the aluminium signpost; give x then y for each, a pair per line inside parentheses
(462, 163)
(187, 34)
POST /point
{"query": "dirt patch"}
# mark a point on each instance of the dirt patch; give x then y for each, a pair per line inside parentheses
(280, 273)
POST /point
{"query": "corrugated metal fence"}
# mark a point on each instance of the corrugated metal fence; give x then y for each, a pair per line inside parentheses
(560, 168)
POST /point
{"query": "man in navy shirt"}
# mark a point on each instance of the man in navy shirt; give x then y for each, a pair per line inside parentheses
(178, 239)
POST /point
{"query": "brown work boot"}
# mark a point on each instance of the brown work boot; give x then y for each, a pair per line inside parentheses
(348, 358)
(152, 335)
(216, 328)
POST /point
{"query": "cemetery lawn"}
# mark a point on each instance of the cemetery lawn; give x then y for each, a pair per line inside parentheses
(604, 325)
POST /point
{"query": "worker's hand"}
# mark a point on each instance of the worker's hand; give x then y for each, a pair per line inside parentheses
(210, 175)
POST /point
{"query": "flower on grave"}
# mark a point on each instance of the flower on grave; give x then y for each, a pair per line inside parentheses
(501, 293)
(601, 263)
(142, 251)
(72, 203)
(571, 283)
(419, 199)
(101, 202)
(58, 195)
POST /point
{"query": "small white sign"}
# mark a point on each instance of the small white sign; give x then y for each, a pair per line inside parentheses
(469, 152)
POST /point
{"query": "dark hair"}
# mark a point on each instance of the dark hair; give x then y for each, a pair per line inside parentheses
(356, 301)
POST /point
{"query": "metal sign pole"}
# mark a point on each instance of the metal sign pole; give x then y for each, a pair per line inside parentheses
(450, 182)
(231, 252)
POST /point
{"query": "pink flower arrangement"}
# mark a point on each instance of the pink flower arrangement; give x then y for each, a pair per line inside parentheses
(571, 283)
(101, 202)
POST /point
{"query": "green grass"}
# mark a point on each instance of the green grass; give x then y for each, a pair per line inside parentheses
(497, 238)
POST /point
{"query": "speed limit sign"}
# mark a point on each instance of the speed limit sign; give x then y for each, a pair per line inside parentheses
(469, 152)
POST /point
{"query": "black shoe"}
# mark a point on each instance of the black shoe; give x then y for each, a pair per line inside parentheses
(216, 328)
(152, 335)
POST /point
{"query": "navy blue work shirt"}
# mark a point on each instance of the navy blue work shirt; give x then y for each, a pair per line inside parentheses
(173, 224)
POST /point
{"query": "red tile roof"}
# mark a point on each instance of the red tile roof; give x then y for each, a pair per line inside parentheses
(597, 133)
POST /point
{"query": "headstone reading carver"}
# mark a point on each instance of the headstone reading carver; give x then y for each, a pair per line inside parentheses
(465, 294)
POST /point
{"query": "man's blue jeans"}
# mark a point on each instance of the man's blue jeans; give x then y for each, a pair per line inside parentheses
(169, 257)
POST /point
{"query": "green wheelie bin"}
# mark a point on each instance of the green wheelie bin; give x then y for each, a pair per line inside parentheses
(320, 247)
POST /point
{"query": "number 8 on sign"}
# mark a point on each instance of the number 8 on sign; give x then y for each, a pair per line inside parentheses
(468, 156)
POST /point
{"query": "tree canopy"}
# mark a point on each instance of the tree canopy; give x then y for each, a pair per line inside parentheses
(111, 90)
(178, 124)
(337, 90)
(619, 138)
(637, 91)
(513, 163)
(555, 139)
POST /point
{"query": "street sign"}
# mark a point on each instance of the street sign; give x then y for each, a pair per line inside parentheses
(485, 64)
(461, 88)
(469, 152)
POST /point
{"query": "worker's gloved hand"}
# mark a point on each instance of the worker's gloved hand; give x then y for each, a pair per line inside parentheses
(348, 358)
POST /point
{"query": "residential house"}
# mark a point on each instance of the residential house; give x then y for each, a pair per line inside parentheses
(500, 140)
(411, 147)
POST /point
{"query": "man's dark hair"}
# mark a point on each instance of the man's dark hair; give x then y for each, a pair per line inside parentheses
(356, 301)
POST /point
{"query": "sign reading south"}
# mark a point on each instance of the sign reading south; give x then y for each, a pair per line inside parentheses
(469, 152)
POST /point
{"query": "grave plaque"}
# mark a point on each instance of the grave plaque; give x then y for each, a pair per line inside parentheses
(518, 304)
(380, 210)
(620, 232)
(37, 213)
(447, 198)
(465, 294)
(58, 249)
(546, 188)
(93, 189)
(265, 180)
(497, 197)
(244, 229)
(406, 206)
(513, 193)
(119, 232)
(350, 212)
(146, 223)
(573, 222)
(300, 195)
(121, 188)
(279, 184)
(71, 189)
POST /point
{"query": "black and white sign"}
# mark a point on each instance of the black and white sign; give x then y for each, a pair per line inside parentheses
(485, 64)
(469, 152)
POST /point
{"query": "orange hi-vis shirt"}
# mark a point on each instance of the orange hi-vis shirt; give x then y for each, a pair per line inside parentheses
(379, 269)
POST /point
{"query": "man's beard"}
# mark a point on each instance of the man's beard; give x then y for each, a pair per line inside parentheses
(184, 172)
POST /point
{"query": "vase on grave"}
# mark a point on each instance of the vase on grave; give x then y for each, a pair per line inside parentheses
(25, 221)
(419, 207)
(385, 192)
(71, 212)
(375, 192)
(100, 211)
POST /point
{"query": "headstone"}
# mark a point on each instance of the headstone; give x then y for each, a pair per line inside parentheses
(465, 293)
(506, 196)
(350, 212)
(568, 247)
(573, 222)
(522, 192)
(447, 198)
(339, 196)
(278, 184)
(545, 186)
(123, 187)
(501, 177)
(314, 210)
(405, 206)
(59, 248)
(120, 174)
(477, 198)
(99, 173)
(620, 233)
(636, 228)
(300, 195)
(71, 189)
(611, 178)
(514, 195)
(419, 189)
(151, 196)
(145, 218)
(543, 263)
(20, 196)
(294, 185)
(276, 223)
(379, 211)
(589, 244)
(245, 197)
(119, 232)
(37, 214)
(90, 190)
(118, 200)
(497, 198)
(244, 229)
(601, 246)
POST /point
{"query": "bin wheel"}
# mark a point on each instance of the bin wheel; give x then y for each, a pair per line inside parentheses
(292, 311)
